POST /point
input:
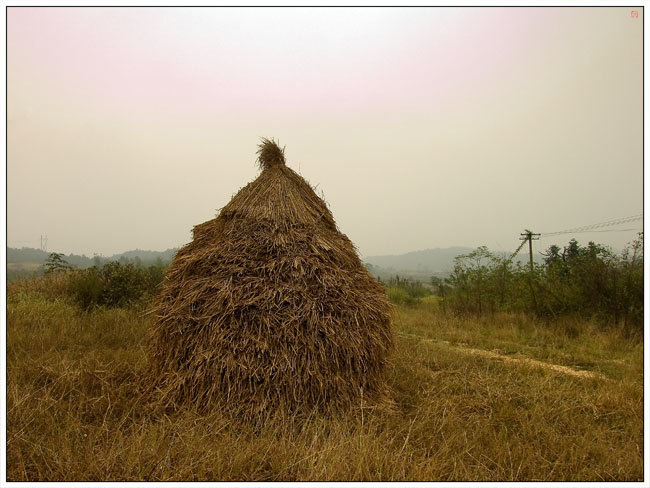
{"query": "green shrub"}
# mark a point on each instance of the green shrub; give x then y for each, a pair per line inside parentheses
(124, 284)
(87, 287)
(590, 282)
(399, 296)
(405, 291)
(115, 285)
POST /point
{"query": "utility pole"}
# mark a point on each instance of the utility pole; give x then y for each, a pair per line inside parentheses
(44, 244)
(530, 237)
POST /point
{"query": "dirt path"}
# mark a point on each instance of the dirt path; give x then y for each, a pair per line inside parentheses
(517, 360)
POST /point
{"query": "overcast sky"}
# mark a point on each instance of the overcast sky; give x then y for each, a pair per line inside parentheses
(423, 128)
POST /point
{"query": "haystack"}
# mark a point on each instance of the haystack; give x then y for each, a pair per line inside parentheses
(269, 307)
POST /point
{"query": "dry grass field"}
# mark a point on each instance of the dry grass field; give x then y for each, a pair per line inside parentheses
(494, 398)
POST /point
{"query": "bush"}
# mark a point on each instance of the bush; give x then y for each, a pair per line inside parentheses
(124, 284)
(399, 296)
(115, 285)
(405, 291)
(582, 281)
(87, 287)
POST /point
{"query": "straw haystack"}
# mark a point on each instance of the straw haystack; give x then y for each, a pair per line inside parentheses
(269, 307)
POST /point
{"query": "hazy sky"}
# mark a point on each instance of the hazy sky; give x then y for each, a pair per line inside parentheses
(424, 128)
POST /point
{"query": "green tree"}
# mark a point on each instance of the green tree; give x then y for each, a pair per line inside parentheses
(56, 264)
(632, 283)
(471, 278)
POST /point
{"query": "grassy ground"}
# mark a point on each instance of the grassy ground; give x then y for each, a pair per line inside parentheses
(76, 412)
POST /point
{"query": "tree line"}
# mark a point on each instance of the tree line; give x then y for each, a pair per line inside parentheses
(590, 281)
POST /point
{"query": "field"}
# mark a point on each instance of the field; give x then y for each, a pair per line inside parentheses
(24, 266)
(502, 397)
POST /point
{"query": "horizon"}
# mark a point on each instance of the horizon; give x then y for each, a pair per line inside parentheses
(536, 251)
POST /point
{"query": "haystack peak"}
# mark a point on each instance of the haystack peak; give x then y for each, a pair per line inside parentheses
(269, 154)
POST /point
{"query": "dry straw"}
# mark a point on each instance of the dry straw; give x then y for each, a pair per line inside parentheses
(269, 308)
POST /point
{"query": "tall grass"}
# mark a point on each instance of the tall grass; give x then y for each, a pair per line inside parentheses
(405, 291)
(77, 407)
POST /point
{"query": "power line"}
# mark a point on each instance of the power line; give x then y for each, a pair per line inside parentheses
(608, 230)
(589, 228)
(530, 236)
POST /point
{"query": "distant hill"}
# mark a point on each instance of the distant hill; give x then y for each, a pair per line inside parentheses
(427, 260)
(26, 255)
(30, 255)
(146, 256)
(421, 265)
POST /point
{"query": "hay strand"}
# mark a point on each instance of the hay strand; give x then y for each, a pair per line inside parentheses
(269, 154)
